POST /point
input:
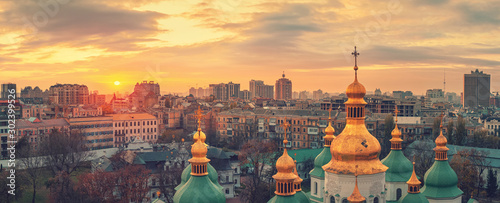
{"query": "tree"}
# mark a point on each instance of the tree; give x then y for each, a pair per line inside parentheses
(256, 154)
(461, 132)
(421, 152)
(169, 178)
(449, 132)
(492, 185)
(132, 183)
(64, 152)
(31, 162)
(97, 187)
(62, 188)
(462, 163)
(385, 141)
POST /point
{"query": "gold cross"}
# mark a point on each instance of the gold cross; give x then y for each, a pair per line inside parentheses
(355, 54)
(199, 115)
(330, 113)
(285, 126)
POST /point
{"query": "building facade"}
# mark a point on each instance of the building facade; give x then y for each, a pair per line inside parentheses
(142, 125)
(476, 89)
(283, 89)
(69, 94)
(98, 131)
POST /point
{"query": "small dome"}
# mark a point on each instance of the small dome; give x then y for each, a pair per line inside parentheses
(356, 90)
(329, 130)
(199, 150)
(199, 134)
(441, 140)
(285, 166)
(297, 180)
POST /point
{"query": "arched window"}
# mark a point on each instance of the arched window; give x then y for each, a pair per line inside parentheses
(345, 201)
(315, 188)
(332, 199)
(376, 199)
(398, 193)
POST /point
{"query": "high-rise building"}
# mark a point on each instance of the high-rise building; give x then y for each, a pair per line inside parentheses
(259, 89)
(253, 87)
(223, 91)
(6, 88)
(283, 89)
(476, 89)
(233, 89)
(317, 95)
(69, 94)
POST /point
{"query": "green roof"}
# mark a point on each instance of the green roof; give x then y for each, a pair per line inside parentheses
(199, 189)
(301, 195)
(322, 159)
(441, 181)
(212, 174)
(304, 154)
(400, 168)
(414, 198)
(287, 199)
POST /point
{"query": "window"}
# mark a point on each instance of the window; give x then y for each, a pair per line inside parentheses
(315, 188)
(332, 199)
(227, 191)
(227, 179)
(376, 199)
(398, 194)
(345, 201)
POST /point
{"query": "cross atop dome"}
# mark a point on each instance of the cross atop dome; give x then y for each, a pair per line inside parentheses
(198, 116)
(355, 54)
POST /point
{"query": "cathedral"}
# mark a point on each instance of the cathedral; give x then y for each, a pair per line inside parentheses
(348, 169)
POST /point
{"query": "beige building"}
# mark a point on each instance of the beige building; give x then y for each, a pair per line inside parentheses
(98, 131)
(69, 94)
(142, 125)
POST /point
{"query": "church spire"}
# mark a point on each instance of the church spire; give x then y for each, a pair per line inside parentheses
(413, 183)
(441, 141)
(329, 131)
(396, 134)
(285, 166)
(355, 144)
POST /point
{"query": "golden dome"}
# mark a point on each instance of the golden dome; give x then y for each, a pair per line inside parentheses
(355, 145)
(355, 90)
(441, 140)
(356, 197)
(329, 130)
(413, 179)
(297, 180)
(199, 150)
(285, 166)
(396, 134)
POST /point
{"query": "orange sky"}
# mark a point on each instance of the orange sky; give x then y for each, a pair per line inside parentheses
(404, 44)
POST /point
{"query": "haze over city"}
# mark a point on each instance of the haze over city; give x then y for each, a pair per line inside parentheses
(404, 45)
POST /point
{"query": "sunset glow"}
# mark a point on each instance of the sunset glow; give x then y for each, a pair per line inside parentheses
(182, 44)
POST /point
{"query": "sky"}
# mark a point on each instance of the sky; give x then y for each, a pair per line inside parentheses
(403, 44)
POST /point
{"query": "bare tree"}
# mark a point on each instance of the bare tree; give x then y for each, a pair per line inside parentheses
(256, 153)
(423, 155)
(64, 151)
(169, 178)
(31, 162)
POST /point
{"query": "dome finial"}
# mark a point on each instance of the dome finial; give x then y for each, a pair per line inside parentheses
(199, 134)
(329, 130)
(441, 141)
(413, 183)
(396, 134)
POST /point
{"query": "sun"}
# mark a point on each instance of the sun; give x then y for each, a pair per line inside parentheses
(117, 82)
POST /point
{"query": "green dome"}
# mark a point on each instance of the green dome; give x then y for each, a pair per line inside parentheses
(322, 159)
(212, 174)
(414, 198)
(400, 168)
(199, 189)
(288, 199)
(301, 196)
(441, 181)
(471, 200)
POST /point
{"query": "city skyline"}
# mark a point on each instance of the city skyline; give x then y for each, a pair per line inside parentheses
(183, 44)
